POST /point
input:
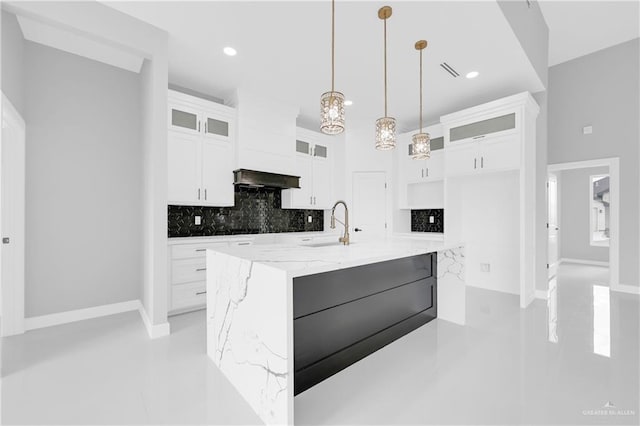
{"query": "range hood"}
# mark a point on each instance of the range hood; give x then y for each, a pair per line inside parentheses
(256, 179)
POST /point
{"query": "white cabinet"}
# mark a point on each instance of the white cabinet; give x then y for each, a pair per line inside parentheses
(201, 152)
(188, 273)
(420, 182)
(313, 163)
(489, 155)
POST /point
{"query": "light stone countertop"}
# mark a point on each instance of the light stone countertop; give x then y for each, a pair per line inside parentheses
(299, 260)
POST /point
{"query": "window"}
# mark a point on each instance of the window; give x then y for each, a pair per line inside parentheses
(599, 199)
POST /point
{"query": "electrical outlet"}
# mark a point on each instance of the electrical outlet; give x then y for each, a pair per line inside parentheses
(432, 219)
(485, 267)
(587, 130)
(198, 220)
(310, 219)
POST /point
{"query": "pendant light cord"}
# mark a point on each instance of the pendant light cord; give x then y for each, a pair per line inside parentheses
(421, 91)
(333, 36)
(385, 67)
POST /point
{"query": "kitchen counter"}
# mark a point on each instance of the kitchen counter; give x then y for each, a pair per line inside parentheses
(270, 238)
(251, 310)
(301, 259)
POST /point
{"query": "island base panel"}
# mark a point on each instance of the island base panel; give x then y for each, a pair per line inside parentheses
(330, 340)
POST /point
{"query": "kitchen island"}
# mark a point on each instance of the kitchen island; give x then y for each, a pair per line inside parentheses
(283, 317)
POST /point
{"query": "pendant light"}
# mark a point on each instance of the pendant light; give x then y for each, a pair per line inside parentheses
(385, 126)
(421, 142)
(332, 103)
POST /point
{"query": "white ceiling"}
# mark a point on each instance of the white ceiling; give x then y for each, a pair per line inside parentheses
(580, 27)
(284, 52)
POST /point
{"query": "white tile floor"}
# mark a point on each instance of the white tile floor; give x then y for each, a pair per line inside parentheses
(505, 367)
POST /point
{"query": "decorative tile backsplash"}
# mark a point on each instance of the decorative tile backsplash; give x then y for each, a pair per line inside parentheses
(256, 211)
(429, 220)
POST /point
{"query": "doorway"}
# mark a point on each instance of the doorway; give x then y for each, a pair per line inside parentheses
(369, 204)
(583, 216)
(12, 220)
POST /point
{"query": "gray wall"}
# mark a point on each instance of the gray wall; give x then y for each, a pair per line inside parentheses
(83, 183)
(12, 61)
(575, 220)
(530, 28)
(603, 90)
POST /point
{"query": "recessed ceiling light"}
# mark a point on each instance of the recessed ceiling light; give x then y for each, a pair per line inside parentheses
(473, 74)
(348, 103)
(230, 51)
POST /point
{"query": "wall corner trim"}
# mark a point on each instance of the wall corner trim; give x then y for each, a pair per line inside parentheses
(626, 288)
(154, 330)
(542, 294)
(59, 318)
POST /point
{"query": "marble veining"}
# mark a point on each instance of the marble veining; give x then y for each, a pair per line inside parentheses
(241, 346)
(451, 262)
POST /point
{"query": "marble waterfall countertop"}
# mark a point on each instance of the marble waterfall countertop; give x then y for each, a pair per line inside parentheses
(306, 259)
(250, 315)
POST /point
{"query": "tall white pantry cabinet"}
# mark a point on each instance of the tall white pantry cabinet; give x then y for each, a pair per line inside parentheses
(482, 173)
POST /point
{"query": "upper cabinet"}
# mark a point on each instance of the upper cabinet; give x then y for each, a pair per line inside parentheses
(201, 152)
(489, 137)
(314, 164)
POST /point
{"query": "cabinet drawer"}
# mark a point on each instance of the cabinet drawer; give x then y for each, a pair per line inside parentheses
(188, 270)
(187, 251)
(188, 295)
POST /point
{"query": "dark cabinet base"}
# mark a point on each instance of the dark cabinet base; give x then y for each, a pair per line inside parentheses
(361, 310)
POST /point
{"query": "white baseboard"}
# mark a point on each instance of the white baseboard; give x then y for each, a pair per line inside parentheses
(80, 314)
(154, 330)
(583, 262)
(542, 294)
(626, 288)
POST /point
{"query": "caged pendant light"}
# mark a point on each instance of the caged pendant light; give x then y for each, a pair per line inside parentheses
(421, 142)
(385, 126)
(332, 103)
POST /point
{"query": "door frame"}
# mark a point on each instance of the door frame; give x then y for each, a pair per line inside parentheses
(614, 222)
(13, 292)
(552, 268)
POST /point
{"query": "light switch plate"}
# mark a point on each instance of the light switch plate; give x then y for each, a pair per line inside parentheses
(198, 220)
(587, 130)
(485, 267)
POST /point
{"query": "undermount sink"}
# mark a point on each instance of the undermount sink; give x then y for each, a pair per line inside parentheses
(325, 244)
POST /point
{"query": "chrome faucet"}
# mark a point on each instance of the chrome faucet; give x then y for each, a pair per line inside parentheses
(345, 238)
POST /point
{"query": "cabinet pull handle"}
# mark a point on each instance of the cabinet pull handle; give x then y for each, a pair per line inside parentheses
(198, 125)
(198, 193)
(205, 127)
(422, 170)
(427, 172)
(205, 194)
(482, 162)
(310, 200)
(306, 239)
(201, 269)
(201, 292)
(314, 200)
(244, 244)
(479, 137)
(201, 249)
(475, 163)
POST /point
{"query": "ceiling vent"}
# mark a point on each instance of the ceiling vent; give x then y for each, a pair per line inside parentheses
(448, 68)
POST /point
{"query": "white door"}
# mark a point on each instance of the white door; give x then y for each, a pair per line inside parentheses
(369, 205)
(552, 221)
(502, 154)
(217, 174)
(184, 168)
(12, 222)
